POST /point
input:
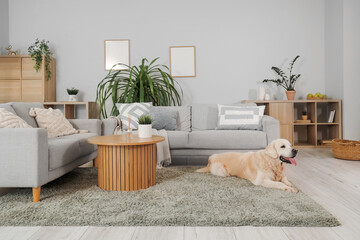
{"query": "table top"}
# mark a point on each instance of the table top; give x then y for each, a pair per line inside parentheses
(123, 140)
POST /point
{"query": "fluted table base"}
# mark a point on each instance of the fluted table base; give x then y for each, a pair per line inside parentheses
(126, 168)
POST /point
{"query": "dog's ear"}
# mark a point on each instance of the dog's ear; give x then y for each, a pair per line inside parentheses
(271, 150)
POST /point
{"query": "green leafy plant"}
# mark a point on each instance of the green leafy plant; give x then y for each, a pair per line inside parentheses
(72, 91)
(145, 120)
(287, 82)
(148, 82)
(38, 51)
(304, 113)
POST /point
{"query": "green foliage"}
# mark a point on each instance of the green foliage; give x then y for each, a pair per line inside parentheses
(39, 50)
(284, 81)
(304, 112)
(144, 83)
(72, 91)
(145, 120)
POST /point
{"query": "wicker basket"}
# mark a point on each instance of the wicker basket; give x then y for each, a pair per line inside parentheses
(346, 149)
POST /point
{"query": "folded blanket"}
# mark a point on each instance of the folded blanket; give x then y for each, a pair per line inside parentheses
(163, 149)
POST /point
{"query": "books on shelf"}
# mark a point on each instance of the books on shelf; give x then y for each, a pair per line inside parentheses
(331, 116)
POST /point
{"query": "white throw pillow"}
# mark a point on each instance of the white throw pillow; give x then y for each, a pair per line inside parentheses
(240, 117)
(53, 121)
(10, 120)
(134, 110)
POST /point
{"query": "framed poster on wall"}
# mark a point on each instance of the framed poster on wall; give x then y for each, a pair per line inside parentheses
(183, 61)
(117, 51)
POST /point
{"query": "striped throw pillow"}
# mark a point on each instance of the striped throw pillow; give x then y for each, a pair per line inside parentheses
(134, 110)
(240, 117)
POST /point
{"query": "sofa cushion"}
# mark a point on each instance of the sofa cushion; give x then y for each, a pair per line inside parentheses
(22, 110)
(227, 139)
(8, 107)
(63, 150)
(164, 118)
(11, 120)
(178, 139)
(205, 116)
(132, 111)
(183, 122)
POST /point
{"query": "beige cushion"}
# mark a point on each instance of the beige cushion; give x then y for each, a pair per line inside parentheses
(53, 121)
(10, 120)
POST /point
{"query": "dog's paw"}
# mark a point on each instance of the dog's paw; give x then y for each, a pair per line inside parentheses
(291, 189)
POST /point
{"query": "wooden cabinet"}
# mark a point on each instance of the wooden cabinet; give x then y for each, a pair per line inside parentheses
(19, 81)
(314, 134)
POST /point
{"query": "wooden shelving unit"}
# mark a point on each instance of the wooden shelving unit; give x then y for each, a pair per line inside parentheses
(306, 134)
(92, 108)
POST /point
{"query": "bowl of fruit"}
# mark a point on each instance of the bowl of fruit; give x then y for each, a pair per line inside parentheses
(316, 96)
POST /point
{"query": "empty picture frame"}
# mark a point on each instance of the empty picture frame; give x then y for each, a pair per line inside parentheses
(182, 61)
(117, 51)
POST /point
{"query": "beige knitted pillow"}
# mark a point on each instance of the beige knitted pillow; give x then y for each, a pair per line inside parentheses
(10, 120)
(53, 121)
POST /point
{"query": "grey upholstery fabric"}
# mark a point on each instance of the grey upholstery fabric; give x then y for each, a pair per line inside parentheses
(164, 118)
(178, 139)
(64, 150)
(205, 116)
(183, 121)
(271, 127)
(227, 139)
(22, 110)
(8, 107)
(108, 126)
(92, 125)
(24, 157)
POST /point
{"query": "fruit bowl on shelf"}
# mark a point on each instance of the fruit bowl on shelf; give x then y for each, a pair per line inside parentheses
(316, 96)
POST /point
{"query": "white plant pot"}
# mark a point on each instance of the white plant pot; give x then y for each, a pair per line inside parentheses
(145, 131)
(73, 98)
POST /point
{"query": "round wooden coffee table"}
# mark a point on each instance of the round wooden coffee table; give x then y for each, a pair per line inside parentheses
(126, 164)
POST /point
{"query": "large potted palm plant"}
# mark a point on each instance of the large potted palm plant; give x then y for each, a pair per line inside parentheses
(148, 82)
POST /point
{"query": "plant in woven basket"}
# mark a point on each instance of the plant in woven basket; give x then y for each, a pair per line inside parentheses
(148, 82)
(38, 51)
(145, 120)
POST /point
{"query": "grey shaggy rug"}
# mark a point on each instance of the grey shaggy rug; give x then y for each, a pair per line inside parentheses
(180, 198)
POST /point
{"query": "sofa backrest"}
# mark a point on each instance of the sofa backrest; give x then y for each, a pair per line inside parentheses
(8, 107)
(183, 122)
(22, 110)
(205, 116)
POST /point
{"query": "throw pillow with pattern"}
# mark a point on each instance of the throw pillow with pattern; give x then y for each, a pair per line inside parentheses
(134, 111)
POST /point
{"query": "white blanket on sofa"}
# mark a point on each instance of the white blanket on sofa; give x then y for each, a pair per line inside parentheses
(163, 149)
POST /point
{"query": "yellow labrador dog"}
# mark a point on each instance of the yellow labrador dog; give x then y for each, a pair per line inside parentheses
(265, 167)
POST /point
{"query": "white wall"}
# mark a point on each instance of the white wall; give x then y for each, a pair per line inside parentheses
(351, 102)
(236, 41)
(4, 25)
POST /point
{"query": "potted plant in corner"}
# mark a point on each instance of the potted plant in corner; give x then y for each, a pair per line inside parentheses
(73, 94)
(145, 126)
(287, 82)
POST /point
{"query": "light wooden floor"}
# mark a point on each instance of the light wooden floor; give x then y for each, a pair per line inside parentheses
(335, 184)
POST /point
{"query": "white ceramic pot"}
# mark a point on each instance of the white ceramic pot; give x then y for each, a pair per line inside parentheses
(73, 98)
(261, 93)
(145, 131)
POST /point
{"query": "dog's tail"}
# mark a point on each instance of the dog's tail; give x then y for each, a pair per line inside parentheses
(204, 170)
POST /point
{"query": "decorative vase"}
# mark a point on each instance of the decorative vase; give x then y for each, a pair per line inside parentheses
(290, 94)
(304, 117)
(261, 93)
(145, 130)
(73, 98)
(267, 97)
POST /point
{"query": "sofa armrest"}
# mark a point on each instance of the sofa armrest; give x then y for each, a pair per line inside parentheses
(271, 127)
(92, 125)
(108, 126)
(23, 157)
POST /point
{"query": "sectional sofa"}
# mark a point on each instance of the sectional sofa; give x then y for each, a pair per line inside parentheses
(196, 138)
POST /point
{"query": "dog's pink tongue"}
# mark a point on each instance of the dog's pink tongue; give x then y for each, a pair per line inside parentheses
(292, 160)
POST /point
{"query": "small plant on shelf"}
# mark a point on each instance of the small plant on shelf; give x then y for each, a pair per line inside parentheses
(145, 120)
(73, 94)
(304, 115)
(287, 82)
(39, 50)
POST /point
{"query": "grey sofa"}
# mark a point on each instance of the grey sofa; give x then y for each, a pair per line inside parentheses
(196, 138)
(29, 159)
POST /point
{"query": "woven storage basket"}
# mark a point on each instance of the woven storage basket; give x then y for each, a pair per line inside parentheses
(346, 149)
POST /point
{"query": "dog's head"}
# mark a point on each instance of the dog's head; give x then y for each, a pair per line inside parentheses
(281, 150)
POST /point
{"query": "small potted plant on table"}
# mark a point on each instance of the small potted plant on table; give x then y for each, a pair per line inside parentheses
(73, 94)
(145, 126)
(287, 82)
